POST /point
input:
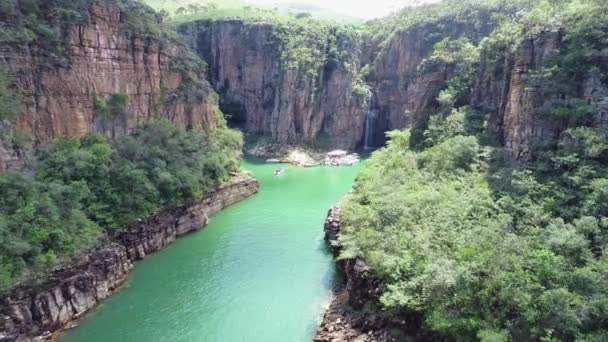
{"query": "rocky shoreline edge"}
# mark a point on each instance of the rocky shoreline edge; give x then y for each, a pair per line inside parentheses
(351, 315)
(34, 312)
(301, 156)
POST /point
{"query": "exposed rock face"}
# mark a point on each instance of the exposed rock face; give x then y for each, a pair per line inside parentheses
(332, 227)
(10, 157)
(406, 85)
(67, 293)
(286, 105)
(102, 60)
(508, 91)
(162, 229)
(596, 93)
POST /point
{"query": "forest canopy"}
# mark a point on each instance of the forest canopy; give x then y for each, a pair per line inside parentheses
(474, 243)
(79, 189)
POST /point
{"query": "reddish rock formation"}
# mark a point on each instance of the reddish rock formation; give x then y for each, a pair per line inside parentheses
(67, 293)
(286, 105)
(102, 59)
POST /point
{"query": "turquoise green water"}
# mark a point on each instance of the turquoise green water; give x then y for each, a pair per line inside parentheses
(259, 272)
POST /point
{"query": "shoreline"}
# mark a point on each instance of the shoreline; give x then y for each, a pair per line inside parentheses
(352, 315)
(302, 156)
(41, 311)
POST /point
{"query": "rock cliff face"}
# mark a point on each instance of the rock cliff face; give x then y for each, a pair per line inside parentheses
(288, 105)
(102, 59)
(162, 229)
(405, 84)
(69, 292)
(508, 91)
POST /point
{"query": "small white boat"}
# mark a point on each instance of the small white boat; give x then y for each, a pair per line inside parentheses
(279, 171)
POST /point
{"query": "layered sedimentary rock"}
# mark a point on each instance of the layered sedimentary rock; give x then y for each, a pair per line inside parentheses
(286, 104)
(67, 293)
(102, 59)
(509, 92)
(162, 229)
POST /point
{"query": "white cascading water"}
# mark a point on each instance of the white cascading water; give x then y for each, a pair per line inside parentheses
(370, 119)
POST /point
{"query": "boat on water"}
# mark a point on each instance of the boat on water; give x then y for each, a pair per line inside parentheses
(279, 171)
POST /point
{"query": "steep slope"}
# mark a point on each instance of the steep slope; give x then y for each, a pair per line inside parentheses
(68, 89)
(293, 84)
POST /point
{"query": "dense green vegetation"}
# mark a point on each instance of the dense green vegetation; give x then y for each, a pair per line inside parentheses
(482, 248)
(476, 245)
(77, 190)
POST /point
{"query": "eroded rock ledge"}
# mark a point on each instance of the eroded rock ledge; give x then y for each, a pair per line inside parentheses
(32, 312)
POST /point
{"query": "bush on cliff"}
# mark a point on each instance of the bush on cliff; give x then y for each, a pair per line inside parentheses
(78, 189)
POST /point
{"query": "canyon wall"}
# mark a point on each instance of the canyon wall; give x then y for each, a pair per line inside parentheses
(260, 88)
(507, 89)
(102, 59)
(247, 68)
(406, 82)
(285, 104)
(40, 308)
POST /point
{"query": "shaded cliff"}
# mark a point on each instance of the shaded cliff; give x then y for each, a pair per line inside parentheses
(405, 83)
(65, 88)
(39, 308)
(509, 89)
(277, 90)
(531, 96)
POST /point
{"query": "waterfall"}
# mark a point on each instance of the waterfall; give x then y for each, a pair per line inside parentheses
(370, 120)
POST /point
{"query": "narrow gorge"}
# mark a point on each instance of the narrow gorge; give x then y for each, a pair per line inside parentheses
(477, 213)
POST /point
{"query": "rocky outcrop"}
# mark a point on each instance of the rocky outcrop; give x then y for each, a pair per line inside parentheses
(68, 292)
(102, 59)
(285, 104)
(332, 228)
(351, 315)
(155, 233)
